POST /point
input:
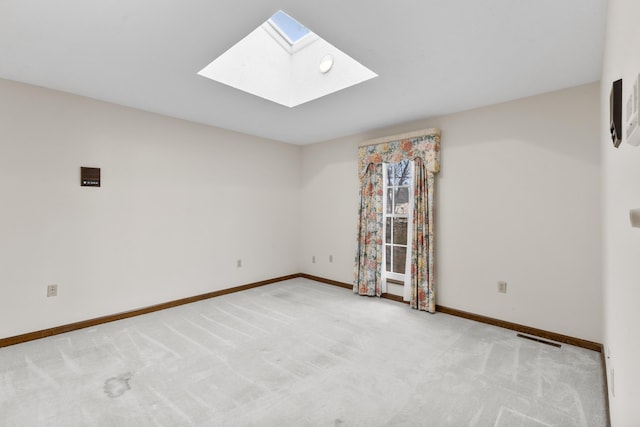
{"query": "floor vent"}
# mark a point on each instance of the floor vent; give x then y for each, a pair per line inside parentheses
(539, 340)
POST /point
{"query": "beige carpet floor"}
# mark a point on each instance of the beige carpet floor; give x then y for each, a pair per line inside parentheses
(298, 353)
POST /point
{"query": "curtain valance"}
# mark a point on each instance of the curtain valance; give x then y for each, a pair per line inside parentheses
(425, 146)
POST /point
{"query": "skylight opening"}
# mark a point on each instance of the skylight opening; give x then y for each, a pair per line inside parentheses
(287, 63)
(290, 29)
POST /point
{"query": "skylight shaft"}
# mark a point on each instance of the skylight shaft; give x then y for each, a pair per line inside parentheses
(287, 63)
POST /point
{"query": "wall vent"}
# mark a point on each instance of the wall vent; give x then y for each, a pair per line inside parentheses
(540, 340)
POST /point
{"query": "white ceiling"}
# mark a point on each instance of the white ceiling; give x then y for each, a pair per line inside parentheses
(433, 57)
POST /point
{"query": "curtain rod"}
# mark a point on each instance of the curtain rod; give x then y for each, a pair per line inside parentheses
(414, 134)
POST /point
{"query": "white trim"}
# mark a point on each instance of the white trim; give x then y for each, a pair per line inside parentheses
(414, 134)
(383, 266)
(406, 291)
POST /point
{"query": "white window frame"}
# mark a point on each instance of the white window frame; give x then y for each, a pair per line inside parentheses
(386, 275)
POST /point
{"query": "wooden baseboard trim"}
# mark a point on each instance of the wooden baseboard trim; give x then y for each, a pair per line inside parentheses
(326, 281)
(5, 342)
(578, 342)
(396, 298)
(590, 345)
(392, 297)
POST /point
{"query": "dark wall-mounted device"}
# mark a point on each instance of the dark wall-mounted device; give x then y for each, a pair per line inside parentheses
(615, 112)
(89, 177)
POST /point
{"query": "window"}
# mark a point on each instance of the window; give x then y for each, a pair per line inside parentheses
(397, 218)
(289, 28)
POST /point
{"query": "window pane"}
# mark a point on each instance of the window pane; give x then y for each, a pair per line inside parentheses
(403, 173)
(391, 172)
(388, 266)
(400, 231)
(399, 259)
(398, 174)
(292, 29)
(387, 238)
(401, 201)
(393, 175)
(389, 200)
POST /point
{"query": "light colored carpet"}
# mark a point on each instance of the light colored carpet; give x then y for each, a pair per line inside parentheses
(298, 353)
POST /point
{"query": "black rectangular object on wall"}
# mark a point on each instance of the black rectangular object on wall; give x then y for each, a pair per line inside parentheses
(89, 177)
(615, 112)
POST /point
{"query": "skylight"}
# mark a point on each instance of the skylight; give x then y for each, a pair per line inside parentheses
(287, 63)
(289, 28)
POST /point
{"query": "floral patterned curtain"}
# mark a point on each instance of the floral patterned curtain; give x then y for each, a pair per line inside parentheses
(424, 150)
(369, 256)
(422, 247)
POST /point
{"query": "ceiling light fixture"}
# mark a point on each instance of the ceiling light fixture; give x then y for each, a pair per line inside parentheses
(326, 63)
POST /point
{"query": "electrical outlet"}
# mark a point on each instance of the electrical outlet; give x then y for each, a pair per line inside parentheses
(239, 263)
(52, 291)
(313, 259)
(330, 258)
(502, 287)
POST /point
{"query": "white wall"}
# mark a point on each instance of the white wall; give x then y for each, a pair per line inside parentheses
(329, 209)
(621, 169)
(179, 204)
(518, 200)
